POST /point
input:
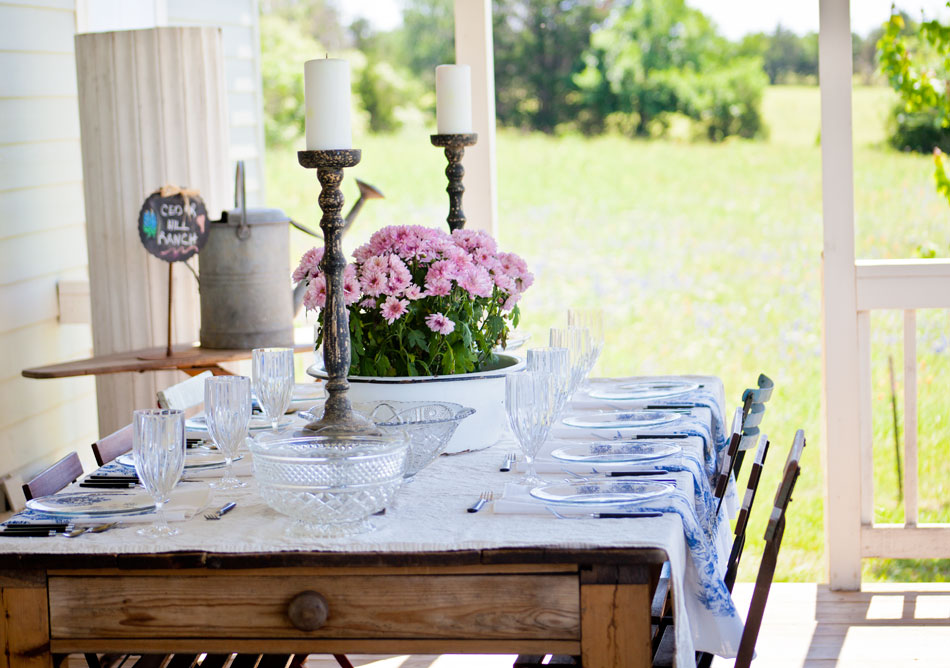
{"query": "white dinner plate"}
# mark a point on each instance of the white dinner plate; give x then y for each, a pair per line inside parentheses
(198, 423)
(642, 390)
(621, 419)
(616, 452)
(200, 459)
(602, 492)
(112, 502)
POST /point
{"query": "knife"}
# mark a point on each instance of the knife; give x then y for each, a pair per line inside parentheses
(31, 533)
(109, 484)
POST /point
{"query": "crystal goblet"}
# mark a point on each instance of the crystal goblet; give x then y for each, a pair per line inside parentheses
(273, 375)
(158, 445)
(531, 404)
(228, 412)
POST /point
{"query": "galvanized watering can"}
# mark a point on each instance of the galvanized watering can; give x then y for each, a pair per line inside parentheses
(247, 300)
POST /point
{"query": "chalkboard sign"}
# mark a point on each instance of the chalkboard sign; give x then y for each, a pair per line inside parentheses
(173, 224)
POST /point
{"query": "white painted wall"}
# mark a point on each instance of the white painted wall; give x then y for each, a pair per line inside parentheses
(42, 226)
(42, 238)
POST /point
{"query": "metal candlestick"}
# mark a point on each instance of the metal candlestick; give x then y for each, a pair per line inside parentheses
(454, 150)
(338, 416)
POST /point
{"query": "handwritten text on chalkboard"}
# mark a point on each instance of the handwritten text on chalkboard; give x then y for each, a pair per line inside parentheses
(173, 225)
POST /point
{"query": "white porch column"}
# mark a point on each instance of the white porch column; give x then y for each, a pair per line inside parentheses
(840, 370)
(473, 47)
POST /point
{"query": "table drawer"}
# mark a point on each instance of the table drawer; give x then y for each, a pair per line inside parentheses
(222, 605)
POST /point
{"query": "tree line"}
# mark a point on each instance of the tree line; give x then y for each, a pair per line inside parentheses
(633, 67)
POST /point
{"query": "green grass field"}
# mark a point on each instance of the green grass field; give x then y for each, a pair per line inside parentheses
(706, 259)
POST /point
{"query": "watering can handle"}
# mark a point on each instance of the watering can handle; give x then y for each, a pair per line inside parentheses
(240, 202)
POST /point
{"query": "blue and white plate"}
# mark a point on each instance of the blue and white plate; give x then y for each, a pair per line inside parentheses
(77, 504)
(621, 419)
(194, 459)
(602, 492)
(642, 390)
(616, 452)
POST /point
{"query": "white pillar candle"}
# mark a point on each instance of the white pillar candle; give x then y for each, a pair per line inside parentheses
(327, 103)
(453, 99)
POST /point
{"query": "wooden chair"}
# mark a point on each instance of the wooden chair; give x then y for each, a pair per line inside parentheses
(773, 541)
(109, 447)
(66, 470)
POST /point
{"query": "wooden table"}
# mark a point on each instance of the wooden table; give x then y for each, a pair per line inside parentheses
(594, 603)
(195, 360)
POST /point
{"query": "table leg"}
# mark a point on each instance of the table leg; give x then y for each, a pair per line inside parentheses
(615, 618)
(24, 620)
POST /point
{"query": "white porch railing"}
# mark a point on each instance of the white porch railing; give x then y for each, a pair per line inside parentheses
(905, 285)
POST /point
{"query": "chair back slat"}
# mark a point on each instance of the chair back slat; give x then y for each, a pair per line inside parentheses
(754, 417)
(764, 391)
(773, 542)
(728, 459)
(109, 447)
(53, 479)
(742, 519)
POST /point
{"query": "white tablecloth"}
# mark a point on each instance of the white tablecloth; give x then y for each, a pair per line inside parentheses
(429, 515)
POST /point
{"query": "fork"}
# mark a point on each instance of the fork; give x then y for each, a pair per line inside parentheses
(216, 514)
(95, 528)
(484, 498)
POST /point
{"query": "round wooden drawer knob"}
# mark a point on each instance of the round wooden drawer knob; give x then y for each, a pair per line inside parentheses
(308, 611)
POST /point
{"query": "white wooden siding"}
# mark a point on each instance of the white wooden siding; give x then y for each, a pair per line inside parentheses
(42, 239)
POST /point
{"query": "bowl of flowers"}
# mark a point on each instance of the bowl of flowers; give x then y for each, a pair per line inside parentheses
(426, 310)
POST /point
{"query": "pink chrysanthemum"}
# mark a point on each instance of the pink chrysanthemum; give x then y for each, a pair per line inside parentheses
(374, 283)
(368, 303)
(476, 281)
(438, 323)
(414, 292)
(440, 287)
(393, 309)
(316, 295)
(309, 265)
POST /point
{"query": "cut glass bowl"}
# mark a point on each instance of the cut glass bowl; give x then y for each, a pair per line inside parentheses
(330, 484)
(428, 425)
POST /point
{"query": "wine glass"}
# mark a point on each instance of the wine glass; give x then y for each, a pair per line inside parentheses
(227, 413)
(273, 374)
(577, 340)
(593, 320)
(557, 362)
(531, 404)
(158, 446)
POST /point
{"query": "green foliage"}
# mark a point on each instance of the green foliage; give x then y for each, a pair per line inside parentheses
(918, 69)
(283, 48)
(655, 58)
(538, 49)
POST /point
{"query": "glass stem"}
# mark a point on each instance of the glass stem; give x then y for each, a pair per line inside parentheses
(228, 460)
(529, 464)
(160, 509)
(274, 422)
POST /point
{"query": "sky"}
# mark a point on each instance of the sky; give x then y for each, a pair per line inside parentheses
(735, 18)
